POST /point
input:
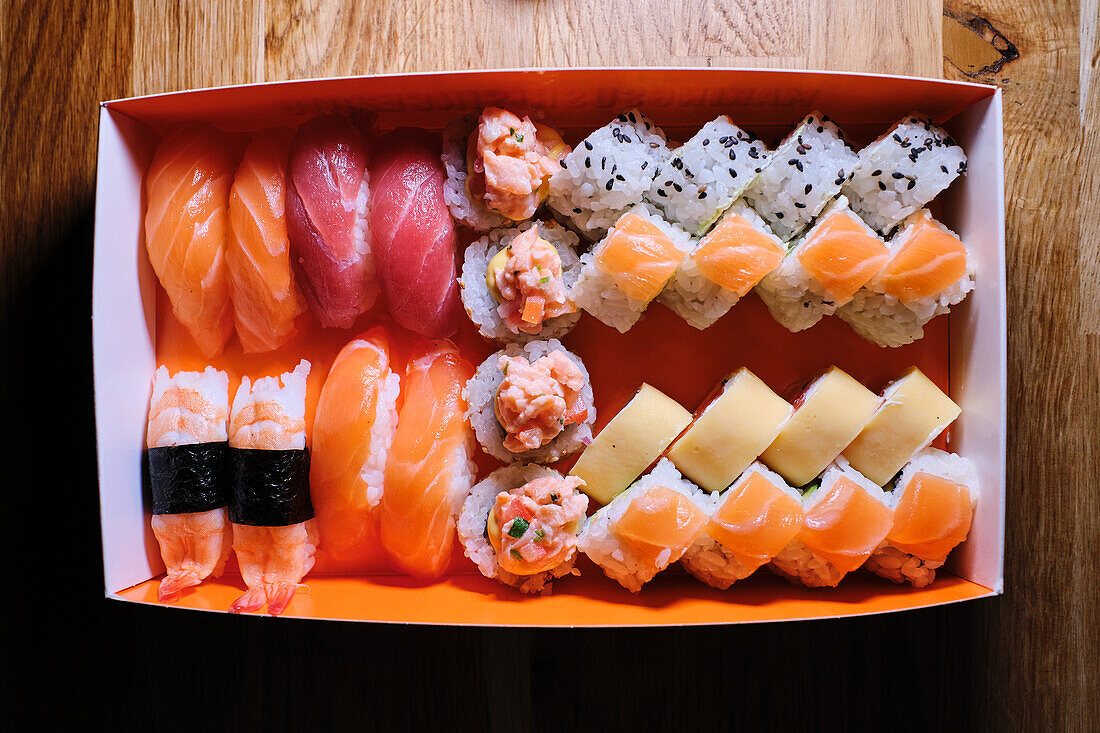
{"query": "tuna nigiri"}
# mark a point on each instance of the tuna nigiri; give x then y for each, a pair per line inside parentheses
(266, 299)
(327, 199)
(186, 226)
(413, 234)
(933, 508)
(352, 432)
(429, 471)
(846, 517)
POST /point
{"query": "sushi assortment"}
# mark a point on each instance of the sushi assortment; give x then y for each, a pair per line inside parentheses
(253, 234)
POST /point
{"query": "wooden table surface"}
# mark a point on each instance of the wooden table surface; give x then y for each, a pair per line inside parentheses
(1026, 660)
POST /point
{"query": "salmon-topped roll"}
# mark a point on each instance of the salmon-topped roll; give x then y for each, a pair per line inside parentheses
(749, 524)
(825, 270)
(186, 228)
(646, 528)
(928, 271)
(498, 165)
(515, 283)
(531, 403)
(729, 262)
(846, 517)
(933, 502)
(519, 525)
(630, 267)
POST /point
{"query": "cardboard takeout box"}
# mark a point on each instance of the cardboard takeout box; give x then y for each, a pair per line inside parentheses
(965, 352)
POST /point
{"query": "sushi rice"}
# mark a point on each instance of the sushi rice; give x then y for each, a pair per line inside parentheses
(615, 557)
(803, 174)
(473, 527)
(893, 564)
(795, 298)
(607, 173)
(902, 171)
(480, 304)
(481, 395)
(696, 182)
(709, 560)
(699, 300)
(885, 320)
(595, 290)
(473, 214)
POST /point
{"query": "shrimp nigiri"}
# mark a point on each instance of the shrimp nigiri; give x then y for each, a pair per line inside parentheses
(327, 198)
(352, 433)
(274, 533)
(429, 471)
(186, 225)
(266, 299)
(186, 440)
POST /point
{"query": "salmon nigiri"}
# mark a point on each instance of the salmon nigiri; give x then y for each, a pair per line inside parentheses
(352, 433)
(429, 471)
(266, 299)
(827, 267)
(186, 226)
(846, 517)
(751, 523)
(645, 528)
(327, 202)
(933, 507)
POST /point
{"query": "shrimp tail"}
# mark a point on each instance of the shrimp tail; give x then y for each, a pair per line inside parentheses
(175, 583)
(279, 596)
(252, 600)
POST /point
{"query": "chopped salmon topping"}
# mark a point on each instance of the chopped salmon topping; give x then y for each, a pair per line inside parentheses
(530, 284)
(537, 400)
(537, 524)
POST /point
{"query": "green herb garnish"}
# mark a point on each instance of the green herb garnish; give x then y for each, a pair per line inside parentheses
(519, 527)
(516, 135)
(811, 487)
(544, 279)
(515, 554)
(539, 534)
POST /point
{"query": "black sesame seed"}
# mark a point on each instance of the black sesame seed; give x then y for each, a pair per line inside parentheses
(798, 165)
(897, 137)
(838, 182)
(779, 215)
(962, 167)
(576, 210)
(897, 175)
(626, 139)
(668, 183)
(801, 150)
(906, 143)
(622, 118)
(632, 117)
(647, 125)
(702, 194)
(678, 187)
(619, 177)
(882, 185)
(914, 154)
(661, 192)
(949, 140)
(733, 173)
(587, 144)
(733, 155)
(911, 184)
(706, 141)
(944, 169)
(562, 163)
(757, 170)
(603, 163)
(799, 205)
(792, 161)
(587, 162)
(723, 139)
(614, 168)
(730, 143)
(610, 183)
(677, 164)
(753, 153)
(876, 172)
(809, 187)
(820, 129)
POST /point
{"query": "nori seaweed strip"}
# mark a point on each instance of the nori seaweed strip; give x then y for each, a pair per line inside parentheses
(188, 478)
(269, 488)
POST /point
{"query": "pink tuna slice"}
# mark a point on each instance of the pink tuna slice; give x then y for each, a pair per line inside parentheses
(413, 234)
(326, 203)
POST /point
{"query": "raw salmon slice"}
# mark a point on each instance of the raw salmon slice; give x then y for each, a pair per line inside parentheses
(266, 299)
(660, 525)
(846, 526)
(428, 473)
(843, 256)
(756, 521)
(347, 461)
(736, 256)
(186, 226)
(639, 257)
(931, 518)
(926, 265)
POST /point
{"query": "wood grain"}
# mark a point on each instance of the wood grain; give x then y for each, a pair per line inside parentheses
(1025, 661)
